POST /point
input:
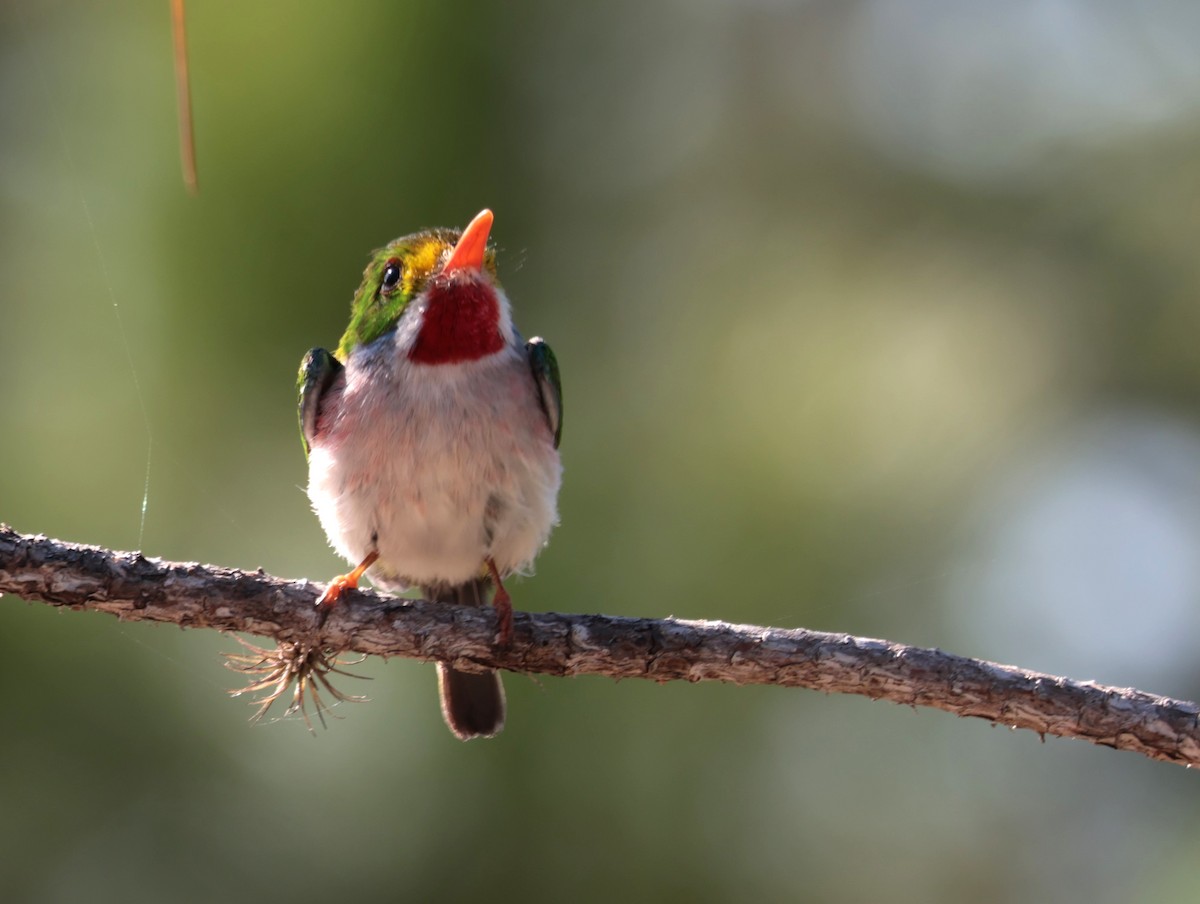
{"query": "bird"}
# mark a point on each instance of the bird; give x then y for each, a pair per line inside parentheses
(432, 437)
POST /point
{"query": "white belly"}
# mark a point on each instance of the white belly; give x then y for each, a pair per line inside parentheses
(436, 466)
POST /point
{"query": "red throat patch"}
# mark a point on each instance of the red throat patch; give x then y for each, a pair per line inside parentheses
(462, 323)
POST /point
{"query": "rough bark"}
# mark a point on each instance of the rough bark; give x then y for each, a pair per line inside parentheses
(131, 586)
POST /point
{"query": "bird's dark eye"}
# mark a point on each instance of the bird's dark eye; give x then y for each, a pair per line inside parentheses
(391, 277)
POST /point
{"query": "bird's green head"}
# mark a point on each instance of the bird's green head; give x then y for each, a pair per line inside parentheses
(400, 272)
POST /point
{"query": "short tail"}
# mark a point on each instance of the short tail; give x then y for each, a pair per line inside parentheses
(472, 702)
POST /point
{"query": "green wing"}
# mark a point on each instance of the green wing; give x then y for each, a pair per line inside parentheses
(318, 370)
(545, 375)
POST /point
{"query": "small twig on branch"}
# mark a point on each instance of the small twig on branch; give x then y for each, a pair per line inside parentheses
(131, 586)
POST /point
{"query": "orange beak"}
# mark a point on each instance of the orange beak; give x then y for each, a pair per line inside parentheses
(472, 245)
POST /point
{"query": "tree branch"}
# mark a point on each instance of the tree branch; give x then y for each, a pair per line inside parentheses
(131, 586)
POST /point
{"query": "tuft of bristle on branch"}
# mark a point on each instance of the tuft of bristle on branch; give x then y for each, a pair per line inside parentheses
(301, 665)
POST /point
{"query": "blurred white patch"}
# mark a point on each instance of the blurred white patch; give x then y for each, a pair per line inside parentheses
(1090, 556)
(984, 91)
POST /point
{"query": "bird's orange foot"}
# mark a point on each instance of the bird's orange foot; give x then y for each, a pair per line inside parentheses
(502, 603)
(343, 583)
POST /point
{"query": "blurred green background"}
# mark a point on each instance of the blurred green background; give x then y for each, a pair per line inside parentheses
(873, 317)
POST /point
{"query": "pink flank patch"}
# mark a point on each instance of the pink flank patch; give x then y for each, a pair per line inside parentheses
(462, 323)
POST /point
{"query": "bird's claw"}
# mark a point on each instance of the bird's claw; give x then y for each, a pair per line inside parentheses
(504, 621)
(502, 603)
(334, 592)
(343, 583)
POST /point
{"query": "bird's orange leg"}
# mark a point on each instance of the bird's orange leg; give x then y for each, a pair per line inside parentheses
(345, 582)
(503, 605)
